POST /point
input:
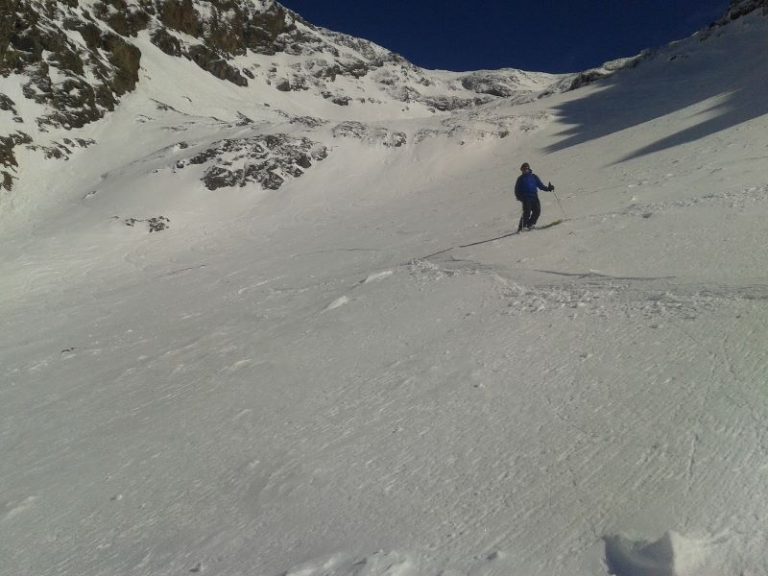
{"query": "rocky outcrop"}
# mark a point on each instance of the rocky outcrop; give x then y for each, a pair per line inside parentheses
(267, 160)
(228, 28)
(74, 83)
(8, 158)
(64, 149)
(39, 43)
(501, 83)
(739, 8)
(581, 79)
(210, 61)
(155, 224)
(125, 19)
(448, 103)
(8, 143)
(370, 134)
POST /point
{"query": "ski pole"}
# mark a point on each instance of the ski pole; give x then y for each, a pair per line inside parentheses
(558, 200)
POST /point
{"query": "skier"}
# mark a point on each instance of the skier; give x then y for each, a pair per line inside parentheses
(526, 191)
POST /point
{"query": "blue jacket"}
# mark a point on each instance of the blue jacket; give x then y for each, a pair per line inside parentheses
(527, 185)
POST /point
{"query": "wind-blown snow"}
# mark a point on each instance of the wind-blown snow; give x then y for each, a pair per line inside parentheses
(319, 381)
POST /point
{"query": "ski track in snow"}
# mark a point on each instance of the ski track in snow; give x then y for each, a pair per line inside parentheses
(662, 305)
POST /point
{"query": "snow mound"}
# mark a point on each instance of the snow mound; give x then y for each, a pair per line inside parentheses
(671, 555)
(338, 303)
(392, 563)
(379, 564)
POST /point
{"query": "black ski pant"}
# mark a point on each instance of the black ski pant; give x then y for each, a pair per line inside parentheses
(531, 212)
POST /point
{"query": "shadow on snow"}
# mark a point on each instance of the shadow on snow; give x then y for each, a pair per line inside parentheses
(722, 87)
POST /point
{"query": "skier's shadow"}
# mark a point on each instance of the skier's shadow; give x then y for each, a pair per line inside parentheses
(722, 89)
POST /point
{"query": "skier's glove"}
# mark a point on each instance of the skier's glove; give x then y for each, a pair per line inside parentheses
(551, 187)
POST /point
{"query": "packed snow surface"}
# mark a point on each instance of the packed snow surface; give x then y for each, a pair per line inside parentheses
(319, 381)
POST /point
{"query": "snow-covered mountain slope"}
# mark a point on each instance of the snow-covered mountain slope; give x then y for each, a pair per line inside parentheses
(259, 335)
(65, 65)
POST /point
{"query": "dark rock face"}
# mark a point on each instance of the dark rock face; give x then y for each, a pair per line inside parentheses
(167, 42)
(8, 105)
(264, 159)
(337, 99)
(36, 41)
(64, 149)
(7, 157)
(124, 19)
(739, 8)
(284, 85)
(230, 29)
(210, 61)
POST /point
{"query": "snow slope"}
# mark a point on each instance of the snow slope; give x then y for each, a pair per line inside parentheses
(320, 381)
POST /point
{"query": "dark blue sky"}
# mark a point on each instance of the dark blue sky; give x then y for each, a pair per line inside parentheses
(537, 35)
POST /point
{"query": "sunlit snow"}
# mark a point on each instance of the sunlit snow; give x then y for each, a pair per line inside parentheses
(319, 380)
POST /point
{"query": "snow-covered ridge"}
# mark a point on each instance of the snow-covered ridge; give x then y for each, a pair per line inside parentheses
(68, 64)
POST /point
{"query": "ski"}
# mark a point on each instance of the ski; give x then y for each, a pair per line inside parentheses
(515, 233)
(489, 240)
